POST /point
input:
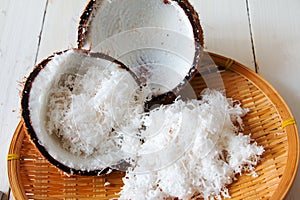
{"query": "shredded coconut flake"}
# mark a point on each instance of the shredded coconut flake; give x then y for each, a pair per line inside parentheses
(218, 151)
(187, 150)
(87, 111)
(106, 184)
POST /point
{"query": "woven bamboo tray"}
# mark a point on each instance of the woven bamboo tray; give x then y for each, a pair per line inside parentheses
(269, 122)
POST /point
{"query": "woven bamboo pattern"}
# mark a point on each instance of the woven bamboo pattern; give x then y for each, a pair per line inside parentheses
(33, 177)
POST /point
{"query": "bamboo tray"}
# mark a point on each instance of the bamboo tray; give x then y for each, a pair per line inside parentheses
(269, 121)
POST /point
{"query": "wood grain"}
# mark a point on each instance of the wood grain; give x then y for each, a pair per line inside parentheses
(226, 28)
(276, 32)
(60, 26)
(20, 23)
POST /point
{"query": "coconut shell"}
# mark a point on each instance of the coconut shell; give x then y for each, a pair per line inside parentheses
(84, 38)
(26, 115)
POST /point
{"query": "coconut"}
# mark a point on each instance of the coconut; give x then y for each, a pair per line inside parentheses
(75, 106)
(159, 40)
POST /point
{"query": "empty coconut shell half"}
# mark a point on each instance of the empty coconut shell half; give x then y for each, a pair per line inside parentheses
(159, 40)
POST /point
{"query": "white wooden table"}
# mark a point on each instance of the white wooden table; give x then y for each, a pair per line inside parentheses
(262, 34)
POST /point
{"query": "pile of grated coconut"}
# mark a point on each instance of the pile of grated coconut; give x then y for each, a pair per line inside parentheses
(87, 111)
(187, 150)
(213, 150)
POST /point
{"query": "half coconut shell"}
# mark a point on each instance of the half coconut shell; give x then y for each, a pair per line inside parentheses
(159, 40)
(35, 100)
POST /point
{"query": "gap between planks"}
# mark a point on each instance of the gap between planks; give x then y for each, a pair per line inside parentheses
(251, 37)
(41, 32)
(10, 195)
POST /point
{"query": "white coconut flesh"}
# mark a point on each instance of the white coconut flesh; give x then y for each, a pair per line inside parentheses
(77, 105)
(153, 38)
(207, 134)
(88, 114)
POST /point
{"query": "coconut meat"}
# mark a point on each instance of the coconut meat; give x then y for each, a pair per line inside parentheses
(153, 35)
(78, 107)
(129, 15)
(208, 151)
(88, 114)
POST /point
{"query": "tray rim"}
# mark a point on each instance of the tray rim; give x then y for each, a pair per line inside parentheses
(289, 173)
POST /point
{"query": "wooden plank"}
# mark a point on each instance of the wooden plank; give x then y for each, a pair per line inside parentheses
(20, 23)
(60, 28)
(226, 28)
(276, 33)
